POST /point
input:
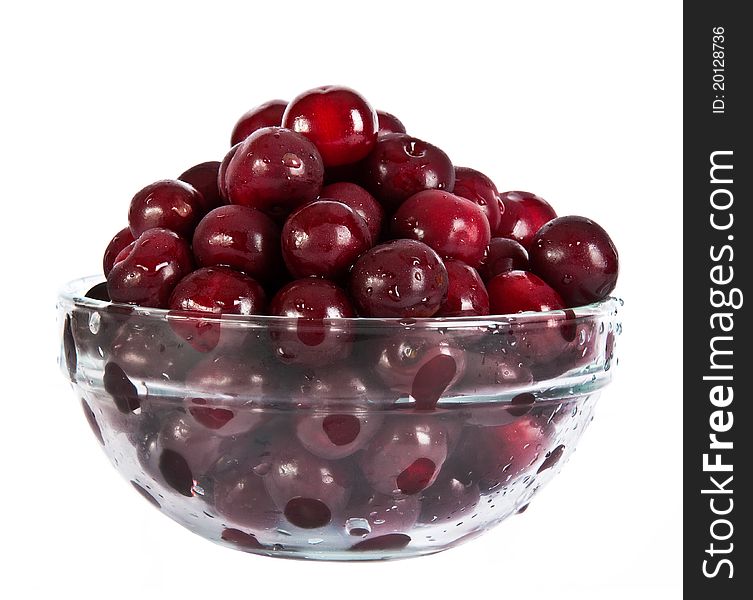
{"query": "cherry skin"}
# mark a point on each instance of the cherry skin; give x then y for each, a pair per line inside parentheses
(405, 457)
(521, 291)
(180, 453)
(360, 201)
(169, 204)
(419, 364)
(307, 489)
(239, 237)
(577, 258)
(478, 188)
(274, 170)
(217, 291)
(246, 383)
(389, 123)
(222, 171)
(340, 121)
(505, 452)
(323, 239)
(203, 178)
(120, 240)
(454, 227)
(310, 337)
(449, 498)
(466, 294)
(268, 114)
(146, 271)
(524, 213)
(401, 165)
(402, 278)
(241, 497)
(503, 255)
(490, 370)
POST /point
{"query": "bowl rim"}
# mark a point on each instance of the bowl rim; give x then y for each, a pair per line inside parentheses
(73, 294)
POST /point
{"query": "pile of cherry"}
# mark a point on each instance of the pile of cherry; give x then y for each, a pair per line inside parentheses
(325, 207)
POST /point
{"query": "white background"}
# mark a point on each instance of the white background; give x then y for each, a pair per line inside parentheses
(577, 101)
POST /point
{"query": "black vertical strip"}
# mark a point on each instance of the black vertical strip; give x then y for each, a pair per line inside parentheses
(718, 260)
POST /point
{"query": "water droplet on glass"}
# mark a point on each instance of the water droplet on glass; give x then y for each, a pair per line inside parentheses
(357, 526)
(94, 321)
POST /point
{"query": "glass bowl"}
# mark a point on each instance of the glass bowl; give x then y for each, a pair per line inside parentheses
(337, 439)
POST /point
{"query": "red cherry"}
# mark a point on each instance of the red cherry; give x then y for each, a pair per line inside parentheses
(524, 213)
(401, 165)
(360, 201)
(239, 237)
(117, 244)
(466, 294)
(323, 239)
(503, 255)
(274, 170)
(311, 337)
(203, 178)
(577, 258)
(307, 489)
(490, 371)
(505, 452)
(388, 123)
(217, 291)
(222, 171)
(338, 120)
(423, 365)
(454, 227)
(402, 278)
(241, 497)
(268, 114)
(146, 271)
(405, 457)
(169, 204)
(478, 188)
(521, 291)
(449, 498)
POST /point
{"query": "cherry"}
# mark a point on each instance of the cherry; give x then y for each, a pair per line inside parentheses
(503, 255)
(360, 201)
(383, 543)
(337, 419)
(121, 240)
(489, 372)
(402, 278)
(146, 271)
(311, 337)
(150, 352)
(222, 171)
(203, 178)
(454, 227)
(370, 515)
(520, 291)
(449, 498)
(307, 489)
(274, 170)
(324, 239)
(268, 114)
(524, 213)
(505, 452)
(239, 237)
(478, 188)
(217, 291)
(577, 258)
(338, 120)
(169, 204)
(180, 453)
(420, 364)
(388, 123)
(401, 165)
(241, 497)
(406, 455)
(466, 294)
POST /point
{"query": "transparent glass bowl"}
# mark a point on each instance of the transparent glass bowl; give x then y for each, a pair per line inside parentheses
(341, 439)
